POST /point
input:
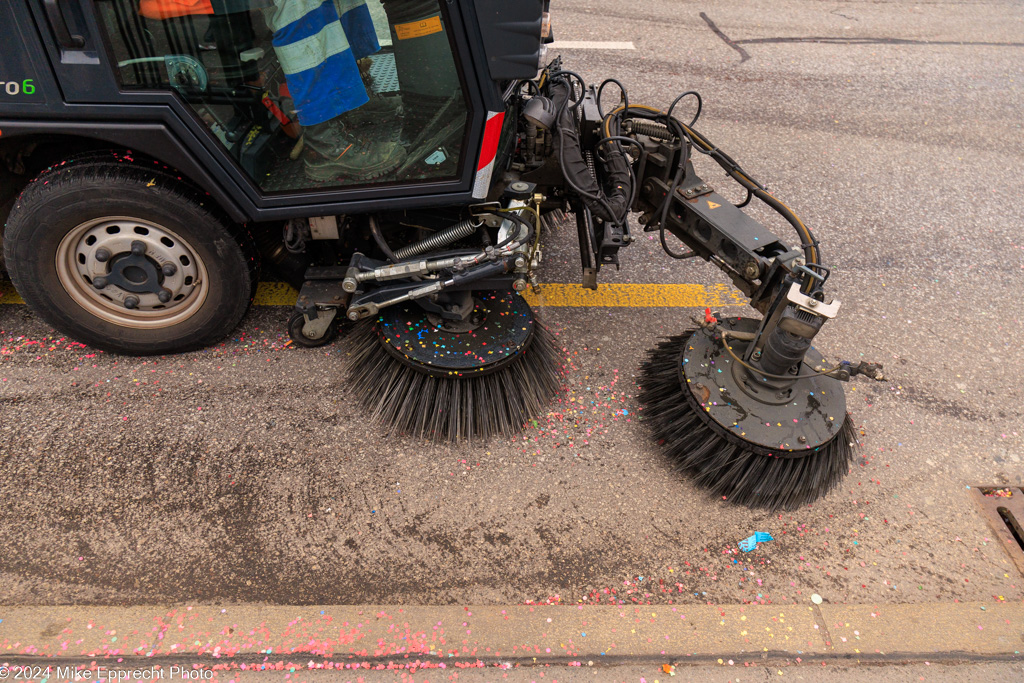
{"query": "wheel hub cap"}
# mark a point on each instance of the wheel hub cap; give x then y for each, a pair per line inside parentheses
(131, 272)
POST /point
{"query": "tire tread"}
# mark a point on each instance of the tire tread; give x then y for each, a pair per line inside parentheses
(109, 169)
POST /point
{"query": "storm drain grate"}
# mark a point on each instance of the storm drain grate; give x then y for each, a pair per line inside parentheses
(1003, 507)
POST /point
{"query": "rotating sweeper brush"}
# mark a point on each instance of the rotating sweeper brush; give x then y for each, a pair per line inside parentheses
(746, 406)
(419, 374)
(451, 351)
(777, 441)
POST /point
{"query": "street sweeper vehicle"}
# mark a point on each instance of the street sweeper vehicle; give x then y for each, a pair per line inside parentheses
(400, 162)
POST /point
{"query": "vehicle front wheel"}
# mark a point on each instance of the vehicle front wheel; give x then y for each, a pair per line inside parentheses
(128, 259)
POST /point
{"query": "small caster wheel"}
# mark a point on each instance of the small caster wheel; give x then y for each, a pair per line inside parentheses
(295, 331)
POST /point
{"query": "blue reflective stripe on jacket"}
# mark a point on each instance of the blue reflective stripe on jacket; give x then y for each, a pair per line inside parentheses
(317, 43)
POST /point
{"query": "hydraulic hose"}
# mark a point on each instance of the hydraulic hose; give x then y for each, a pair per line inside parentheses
(808, 243)
(378, 237)
(610, 207)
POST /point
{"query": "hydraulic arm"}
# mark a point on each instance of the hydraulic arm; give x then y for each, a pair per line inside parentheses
(746, 405)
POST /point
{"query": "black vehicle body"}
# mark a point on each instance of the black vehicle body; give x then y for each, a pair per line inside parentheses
(150, 170)
(77, 103)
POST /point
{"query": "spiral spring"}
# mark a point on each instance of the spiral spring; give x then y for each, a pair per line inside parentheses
(651, 129)
(456, 232)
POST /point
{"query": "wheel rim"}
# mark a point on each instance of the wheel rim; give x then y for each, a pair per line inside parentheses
(159, 284)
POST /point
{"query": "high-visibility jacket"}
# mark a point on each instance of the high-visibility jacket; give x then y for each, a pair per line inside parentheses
(167, 9)
(317, 43)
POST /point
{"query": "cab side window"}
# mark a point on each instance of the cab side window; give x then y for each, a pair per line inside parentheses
(304, 94)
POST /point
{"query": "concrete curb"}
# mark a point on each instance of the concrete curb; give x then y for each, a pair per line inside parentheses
(512, 635)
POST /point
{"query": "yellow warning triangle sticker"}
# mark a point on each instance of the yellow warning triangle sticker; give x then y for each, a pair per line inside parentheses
(712, 205)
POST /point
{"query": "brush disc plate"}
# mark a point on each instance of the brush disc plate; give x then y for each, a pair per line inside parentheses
(814, 410)
(502, 327)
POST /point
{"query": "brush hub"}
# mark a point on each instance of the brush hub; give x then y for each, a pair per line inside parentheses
(500, 327)
(790, 419)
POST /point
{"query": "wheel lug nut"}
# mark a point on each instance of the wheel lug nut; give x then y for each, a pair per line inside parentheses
(99, 282)
(164, 295)
(139, 248)
(102, 255)
(131, 302)
(169, 269)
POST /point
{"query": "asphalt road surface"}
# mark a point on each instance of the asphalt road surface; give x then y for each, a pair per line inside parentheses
(247, 473)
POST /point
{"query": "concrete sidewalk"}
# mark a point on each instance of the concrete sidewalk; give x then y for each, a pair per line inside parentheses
(346, 637)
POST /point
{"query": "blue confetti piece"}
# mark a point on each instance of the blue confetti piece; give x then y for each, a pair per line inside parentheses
(748, 544)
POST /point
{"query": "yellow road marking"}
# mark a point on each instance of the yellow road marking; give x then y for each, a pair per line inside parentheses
(8, 295)
(275, 294)
(636, 296)
(551, 295)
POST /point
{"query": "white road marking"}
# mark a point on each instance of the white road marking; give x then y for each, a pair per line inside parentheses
(590, 45)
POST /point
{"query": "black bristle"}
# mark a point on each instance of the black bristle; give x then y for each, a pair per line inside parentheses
(468, 407)
(719, 461)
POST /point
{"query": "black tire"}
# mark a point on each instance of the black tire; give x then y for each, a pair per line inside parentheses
(298, 321)
(55, 207)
